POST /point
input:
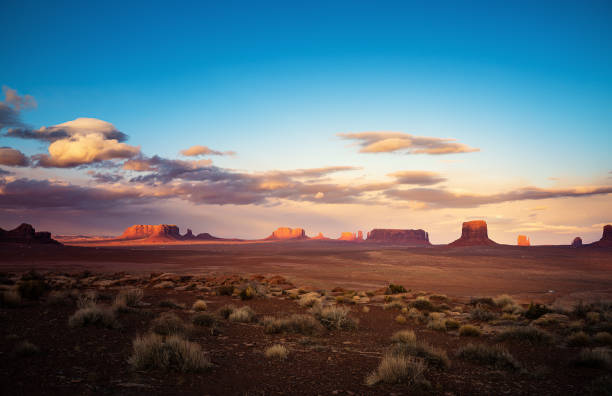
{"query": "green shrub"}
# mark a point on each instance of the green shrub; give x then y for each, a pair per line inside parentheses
(496, 356)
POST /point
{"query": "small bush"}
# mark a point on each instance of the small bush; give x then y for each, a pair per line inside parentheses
(247, 293)
(401, 319)
(203, 319)
(593, 358)
(365, 309)
(58, 297)
(276, 351)
(296, 323)
(168, 323)
(404, 336)
(603, 337)
(503, 300)
(438, 297)
(32, 289)
(172, 354)
(528, 334)
(395, 289)
(199, 305)
(535, 311)
(131, 297)
(437, 324)
(482, 301)
(469, 331)
(225, 290)
(93, 315)
(452, 324)
(482, 314)
(26, 348)
(335, 317)
(226, 310)
(423, 304)
(87, 299)
(394, 304)
(396, 368)
(10, 299)
(243, 315)
(433, 356)
(308, 300)
(170, 303)
(496, 356)
(579, 339)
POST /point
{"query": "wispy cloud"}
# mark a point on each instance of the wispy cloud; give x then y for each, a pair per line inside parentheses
(423, 178)
(12, 157)
(197, 150)
(388, 142)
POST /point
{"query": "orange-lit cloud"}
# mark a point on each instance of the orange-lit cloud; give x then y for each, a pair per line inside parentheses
(423, 178)
(12, 157)
(198, 150)
(388, 142)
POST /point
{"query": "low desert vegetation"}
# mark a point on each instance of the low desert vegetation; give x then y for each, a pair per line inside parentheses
(93, 315)
(296, 323)
(504, 300)
(130, 297)
(335, 317)
(26, 348)
(32, 286)
(404, 336)
(496, 356)
(578, 339)
(168, 323)
(226, 310)
(452, 324)
(594, 358)
(365, 309)
(276, 351)
(529, 334)
(10, 299)
(170, 303)
(534, 311)
(199, 305)
(469, 330)
(394, 304)
(247, 293)
(308, 300)
(395, 289)
(482, 301)
(481, 313)
(203, 319)
(401, 319)
(173, 353)
(398, 369)
(58, 297)
(423, 304)
(603, 338)
(87, 299)
(225, 290)
(243, 315)
(410, 346)
(437, 324)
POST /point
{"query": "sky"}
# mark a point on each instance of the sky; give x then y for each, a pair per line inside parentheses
(236, 118)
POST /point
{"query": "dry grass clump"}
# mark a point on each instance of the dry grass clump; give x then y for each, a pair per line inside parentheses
(528, 334)
(437, 324)
(416, 315)
(10, 299)
(469, 330)
(603, 337)
(423, 304)
(242, 315)
(170, 303)
(594, 358)
(504, 300)
(226, 310)
(26, 348)
(401, 319)
(394, 304)
(335, 317)
(276, 351)
(131, 297)
(225, 290)
(404, 336)
(452, 324)
(308, 300)
(199, 305)
(592, 317)
(296, 323)
(578, 339)
(174, 353)
(482, 314)
(87, 299)
(365, 309)
(439, 297)
(396, 368)
(412, 347)
(247, 293)
(93, 315)
(203, 319)
(32, 289)
(482, 301)
(168, 323)
(495, 355)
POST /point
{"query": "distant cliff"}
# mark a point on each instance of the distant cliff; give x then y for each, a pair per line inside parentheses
(405, 237)
(25, 233)
(474, 233)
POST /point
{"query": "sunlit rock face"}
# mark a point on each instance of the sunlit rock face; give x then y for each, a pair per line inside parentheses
(347, 236)
(284, 233)
(577, 242)
(147, 231)
(25, 233)
(523, 241)
(360, 235)
(406, 237)
(606, 238)
(320, 236)
(474, 233)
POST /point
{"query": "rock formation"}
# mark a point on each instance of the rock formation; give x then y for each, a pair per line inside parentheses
(286, 233)
(606, 238)
(360, 235)
(347, 236)
(160, 233)
(404, 237)
(25, 233)
(320, 236)
(577, 242)
(523, 241)
(474, 233)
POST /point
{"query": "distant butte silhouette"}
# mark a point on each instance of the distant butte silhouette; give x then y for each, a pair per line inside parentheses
(161, 233)
(286, 233)
(474, 233)
(606, 238)
(404, 237)
(577, 242)
(523, 241)
(25, 233)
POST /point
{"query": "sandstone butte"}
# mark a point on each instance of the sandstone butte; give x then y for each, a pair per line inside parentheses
(160, 233)
(25, 233)
(405, 237)
(606, 238)
(474, 233)
(286, 233)
(577, 242)
(523, 241)
(320, 236)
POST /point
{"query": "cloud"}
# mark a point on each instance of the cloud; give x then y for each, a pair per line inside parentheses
(105, 177)
(165, 170)
(422, 178)
(18, 102)
(12, 157)
(71, 129)
(388, 142)
(11, 107)
(440, 198)
(198, 150)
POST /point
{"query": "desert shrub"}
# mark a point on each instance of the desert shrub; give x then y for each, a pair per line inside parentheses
(225, 290)
(334, 317)
(580, 310)
(401, 319)
(528, 334)
(172, 354)
(594, 358)
(243, 315)
(247, 293)
(469, 330)
(93, 315)
(452, 324)
(482, 301)
(503, 300)
(276, 351)
(423, 304)
(365, 309)
(579, 339)
(482, 314)
(32, 289)
(397, 368)
(603, 337)
(438, 297)
(433, 356)
(513, 309)
(87, 299)
(508, 316)
(395, 289)
(58, 297)
(437, 324)
(534, 311)
(592, 317)
(26, 348)
(199, 305)
(168, 323)
(226, 310)
(203, 319)
(404, 336)
(131, 297)
(495, 355)
(170, 303)
(296, 323)
(308, 300)
(416, 315)
(394, 304)
(10, 299)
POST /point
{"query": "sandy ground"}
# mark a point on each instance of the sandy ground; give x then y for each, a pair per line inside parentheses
(557, 275)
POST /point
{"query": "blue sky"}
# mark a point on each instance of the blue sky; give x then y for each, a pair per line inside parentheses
(528, 83)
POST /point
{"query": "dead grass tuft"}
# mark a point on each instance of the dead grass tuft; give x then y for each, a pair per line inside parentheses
(276, 351)
(433, 356)
(529, 334)
(469, 330)
(168, 323)
(296, 323)
(335, 317)
(578, 339)
(172, 354)
(242, 315)
(93, 315)
(594, 358)
(404, 336)
(199, 305)
(396, 368)
(496, 356)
